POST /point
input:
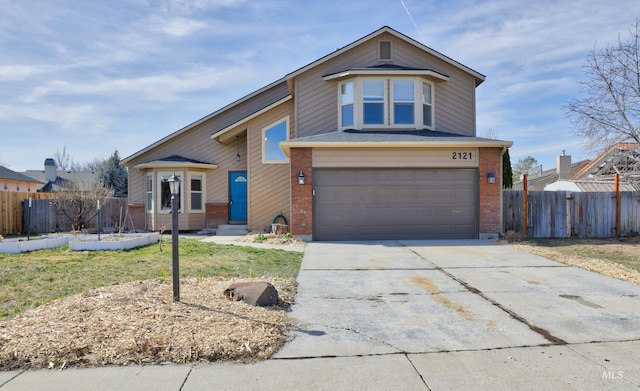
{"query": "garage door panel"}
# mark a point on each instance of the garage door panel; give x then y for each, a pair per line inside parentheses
(357, 204)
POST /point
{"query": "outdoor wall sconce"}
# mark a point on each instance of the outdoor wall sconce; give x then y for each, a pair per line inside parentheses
(174, 187)
(301, 178)
(491, 178)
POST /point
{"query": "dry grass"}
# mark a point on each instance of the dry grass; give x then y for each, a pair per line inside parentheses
(618, 258)
(138, 323)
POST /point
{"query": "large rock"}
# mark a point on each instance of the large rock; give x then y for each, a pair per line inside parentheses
(258, 293)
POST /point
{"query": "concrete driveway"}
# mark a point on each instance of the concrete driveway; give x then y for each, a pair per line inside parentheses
(462, 315)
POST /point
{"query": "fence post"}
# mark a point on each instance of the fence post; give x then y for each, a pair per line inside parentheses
(525, 206)
(616, 188)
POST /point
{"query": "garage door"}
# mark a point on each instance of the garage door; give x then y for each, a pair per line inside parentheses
(362, 204)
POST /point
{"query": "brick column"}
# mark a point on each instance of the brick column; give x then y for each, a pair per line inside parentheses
(301, 223)
(490, 202)
(216, 214)
(138, 215)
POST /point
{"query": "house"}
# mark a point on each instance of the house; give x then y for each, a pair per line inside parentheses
(564, 170)
(376, 140)
(598, 175)
(51, 179)
(15, 181)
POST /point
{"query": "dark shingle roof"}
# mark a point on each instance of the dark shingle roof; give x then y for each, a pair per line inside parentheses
(6, 173)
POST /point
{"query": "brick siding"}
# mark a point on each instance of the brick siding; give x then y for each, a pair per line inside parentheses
(490, 194)
(301, 195)
(216, 214)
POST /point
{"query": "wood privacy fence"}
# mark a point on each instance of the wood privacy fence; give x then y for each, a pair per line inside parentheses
(560, 214)
(44, 218)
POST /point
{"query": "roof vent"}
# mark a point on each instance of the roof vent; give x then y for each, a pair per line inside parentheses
(384, 51)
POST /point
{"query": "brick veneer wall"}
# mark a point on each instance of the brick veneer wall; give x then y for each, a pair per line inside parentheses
(216, 214)
(490, 194)
(137, 215)
(301, 195)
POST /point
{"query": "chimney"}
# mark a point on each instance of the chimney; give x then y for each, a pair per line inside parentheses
(563, 166)
(50, 170)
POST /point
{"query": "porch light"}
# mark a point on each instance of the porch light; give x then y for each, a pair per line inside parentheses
(491, 178)
(238, 148)
(174, 187)
(301, 178)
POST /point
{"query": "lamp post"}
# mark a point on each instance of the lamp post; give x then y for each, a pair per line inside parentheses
(174, 187)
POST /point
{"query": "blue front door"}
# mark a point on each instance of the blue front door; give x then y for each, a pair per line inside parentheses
(238, 196)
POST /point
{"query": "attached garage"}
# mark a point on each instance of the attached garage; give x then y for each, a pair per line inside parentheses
(395, 203)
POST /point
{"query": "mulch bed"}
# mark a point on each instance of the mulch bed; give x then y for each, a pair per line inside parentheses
(139, 323)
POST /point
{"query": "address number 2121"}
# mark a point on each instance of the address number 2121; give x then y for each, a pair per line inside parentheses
(461, 155)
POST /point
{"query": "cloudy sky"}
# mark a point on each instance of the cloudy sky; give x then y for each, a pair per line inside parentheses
(96, 76)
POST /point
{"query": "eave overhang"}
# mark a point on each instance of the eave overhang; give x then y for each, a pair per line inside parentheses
(176, 162)
(428, 73)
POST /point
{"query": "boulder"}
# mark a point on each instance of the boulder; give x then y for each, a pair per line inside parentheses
(258, 293)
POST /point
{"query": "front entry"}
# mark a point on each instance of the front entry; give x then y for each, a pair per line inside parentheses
(238, 196)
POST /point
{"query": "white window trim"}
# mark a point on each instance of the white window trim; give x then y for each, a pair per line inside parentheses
(149, 208)
(158, 197)
(203, 177)
(264, 131)
(358, 114)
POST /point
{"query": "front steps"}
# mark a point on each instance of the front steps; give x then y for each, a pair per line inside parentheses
(232, 230)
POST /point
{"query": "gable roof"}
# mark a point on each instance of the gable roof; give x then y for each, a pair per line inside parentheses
(287, 81)
(386, 29)
(177, 161)
(623, 158)
(6, 173)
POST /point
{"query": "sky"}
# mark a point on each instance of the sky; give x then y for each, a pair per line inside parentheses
(92, 77)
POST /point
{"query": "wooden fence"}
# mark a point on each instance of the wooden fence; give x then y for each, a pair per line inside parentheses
(44, 218)
(559, 214)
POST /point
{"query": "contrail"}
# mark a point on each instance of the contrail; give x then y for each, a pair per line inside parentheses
(412, 21)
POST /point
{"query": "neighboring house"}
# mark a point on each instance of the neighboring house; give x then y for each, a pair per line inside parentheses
(15, 181)
(51, 179)
(563, 171)
(376, 140)
(599, 174)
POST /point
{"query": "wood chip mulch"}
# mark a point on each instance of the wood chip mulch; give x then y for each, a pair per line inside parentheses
(139, 323)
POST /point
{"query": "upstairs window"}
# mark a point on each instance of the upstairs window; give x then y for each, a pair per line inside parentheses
(346, 103)
(373, 97)
(375, 103)
(272, 135)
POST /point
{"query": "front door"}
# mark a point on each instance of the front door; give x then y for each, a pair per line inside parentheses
(238, 196)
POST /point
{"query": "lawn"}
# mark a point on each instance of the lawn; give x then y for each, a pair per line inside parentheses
(31, 279)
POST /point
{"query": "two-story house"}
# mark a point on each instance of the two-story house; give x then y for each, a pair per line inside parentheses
(376, 140)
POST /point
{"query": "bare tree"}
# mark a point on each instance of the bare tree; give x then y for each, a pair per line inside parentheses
(78, 201)
(609, 112)
(523, 166)
(64, 162)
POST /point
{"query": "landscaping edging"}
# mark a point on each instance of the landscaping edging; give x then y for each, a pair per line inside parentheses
(21, 246)
(123, 242)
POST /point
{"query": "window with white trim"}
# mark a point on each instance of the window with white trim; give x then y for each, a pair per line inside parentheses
(149, 192)
(272, 135)
(374, 103)
(164, 192)
(197, 194)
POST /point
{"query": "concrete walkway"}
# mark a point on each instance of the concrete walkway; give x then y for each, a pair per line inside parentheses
(421, 315)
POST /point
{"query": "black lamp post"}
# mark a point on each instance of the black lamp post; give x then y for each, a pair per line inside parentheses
(174, 187)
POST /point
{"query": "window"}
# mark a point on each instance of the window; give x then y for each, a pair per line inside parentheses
(196, 192)
(373, 98)
(403, 98)
(149, 192)
(272, 136)
(346, 103)
(165, 192)
(376, 103)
